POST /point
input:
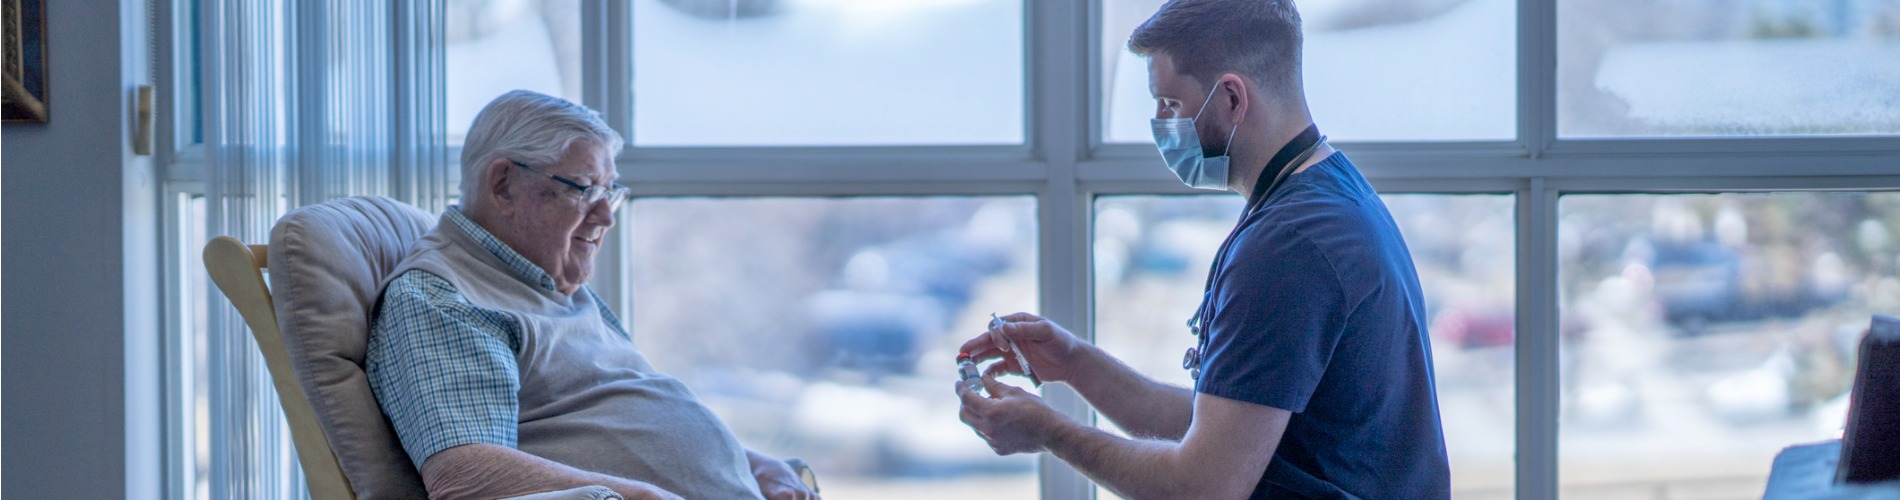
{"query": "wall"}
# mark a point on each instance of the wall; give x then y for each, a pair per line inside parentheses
(80, 363)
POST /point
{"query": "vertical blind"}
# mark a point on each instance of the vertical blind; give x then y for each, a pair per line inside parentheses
(305, 101)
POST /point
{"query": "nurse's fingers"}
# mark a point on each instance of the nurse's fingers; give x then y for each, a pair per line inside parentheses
(971, 398)
(1021, 317)
(974, 406)
(1026, 330)
(982, 347)
(998, 389)
(999, 339)
(1005, 367)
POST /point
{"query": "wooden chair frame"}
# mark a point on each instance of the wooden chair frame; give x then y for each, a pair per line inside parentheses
(238, 269)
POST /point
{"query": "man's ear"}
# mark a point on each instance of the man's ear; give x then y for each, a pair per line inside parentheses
(1240, 100)
(496, 183)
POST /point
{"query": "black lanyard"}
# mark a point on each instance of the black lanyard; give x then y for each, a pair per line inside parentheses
(1288, 158)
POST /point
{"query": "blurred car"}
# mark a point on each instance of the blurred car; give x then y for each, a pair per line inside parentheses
(1476, 327)
(1703, 283)
(872, 331)
(891, 298)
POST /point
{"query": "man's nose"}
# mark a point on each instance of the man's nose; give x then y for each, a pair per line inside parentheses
(601, 213)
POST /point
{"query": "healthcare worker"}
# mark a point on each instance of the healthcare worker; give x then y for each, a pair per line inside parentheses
(1312, 368)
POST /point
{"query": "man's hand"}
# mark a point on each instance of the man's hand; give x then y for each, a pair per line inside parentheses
(1052, 351)
(1011, 420)
(777, 481)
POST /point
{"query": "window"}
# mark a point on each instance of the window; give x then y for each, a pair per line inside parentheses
(832, 193)
(827, 72)
(189, 116)
(495, 46)
(827, 328)
(1462, 248)
(1703, 333)
(1402, 70)
(1151, 259)
(1728, 68)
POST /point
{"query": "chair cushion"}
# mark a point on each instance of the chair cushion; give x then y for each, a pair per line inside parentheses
(327, 266)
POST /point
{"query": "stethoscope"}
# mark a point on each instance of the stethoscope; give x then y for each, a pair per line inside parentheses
(1191, 361)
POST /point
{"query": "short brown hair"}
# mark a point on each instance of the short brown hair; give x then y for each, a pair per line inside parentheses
(1257, 38)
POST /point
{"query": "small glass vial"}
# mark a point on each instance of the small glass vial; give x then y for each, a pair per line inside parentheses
(966, 370)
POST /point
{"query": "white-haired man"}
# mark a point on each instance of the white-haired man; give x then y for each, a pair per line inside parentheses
(502, 373)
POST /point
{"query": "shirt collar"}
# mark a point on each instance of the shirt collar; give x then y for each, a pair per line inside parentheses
(521, 267)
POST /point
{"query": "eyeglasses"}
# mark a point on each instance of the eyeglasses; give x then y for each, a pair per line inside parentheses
(614, 194)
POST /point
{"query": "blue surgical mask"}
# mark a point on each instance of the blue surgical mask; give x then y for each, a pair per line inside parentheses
(1181, 148)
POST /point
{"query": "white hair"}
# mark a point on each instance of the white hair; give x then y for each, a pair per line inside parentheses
(531, 128)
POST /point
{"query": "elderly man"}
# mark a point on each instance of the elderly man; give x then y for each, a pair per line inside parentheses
(502, 373)
(1313, 373)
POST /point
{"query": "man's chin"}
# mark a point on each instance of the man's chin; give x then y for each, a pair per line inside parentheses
(580, 276)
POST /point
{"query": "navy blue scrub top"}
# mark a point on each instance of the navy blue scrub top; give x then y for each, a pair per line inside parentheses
(1316, 310)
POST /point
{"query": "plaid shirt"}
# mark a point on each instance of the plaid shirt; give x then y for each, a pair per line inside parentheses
(443, 369)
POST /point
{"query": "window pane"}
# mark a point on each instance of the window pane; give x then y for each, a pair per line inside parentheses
(1703, 333)
(194, 362)
(495, 46)
(1376, 70)
(185, 67)
(1707, 68)
(827, 72)
(1151, 259)
(827, 329)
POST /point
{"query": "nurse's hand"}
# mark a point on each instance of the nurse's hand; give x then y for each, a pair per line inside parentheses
(1052, 351)
(1011, 420)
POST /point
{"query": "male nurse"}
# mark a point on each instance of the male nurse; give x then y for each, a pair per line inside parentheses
(1312, 367)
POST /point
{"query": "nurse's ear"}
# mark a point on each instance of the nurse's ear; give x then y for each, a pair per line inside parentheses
(1233, 96)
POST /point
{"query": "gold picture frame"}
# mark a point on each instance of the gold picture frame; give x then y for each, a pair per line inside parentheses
(25, 52)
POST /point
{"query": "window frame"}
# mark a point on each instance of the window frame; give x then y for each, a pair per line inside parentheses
(1065, 164)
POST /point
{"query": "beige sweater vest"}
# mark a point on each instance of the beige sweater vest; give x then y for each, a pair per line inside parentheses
(588, 398)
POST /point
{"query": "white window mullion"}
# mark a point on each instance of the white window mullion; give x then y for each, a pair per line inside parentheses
(1536, 355)
(1059, 124)
(607, 63)
(1057, 65)
(1536, 75)
(1817, 145)
(1663, 185)
(606, 85)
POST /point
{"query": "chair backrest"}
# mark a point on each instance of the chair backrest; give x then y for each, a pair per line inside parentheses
(327, 264)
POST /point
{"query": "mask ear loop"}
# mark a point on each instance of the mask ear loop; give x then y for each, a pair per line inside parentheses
(1227, 149)
(1205, 102)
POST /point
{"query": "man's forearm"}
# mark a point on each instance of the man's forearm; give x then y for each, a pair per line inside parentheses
(489, 471)
(1141, 406)
(1137, 468)
(1222, 455)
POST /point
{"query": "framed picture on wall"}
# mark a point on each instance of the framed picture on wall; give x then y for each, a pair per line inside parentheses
(25, 92)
